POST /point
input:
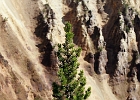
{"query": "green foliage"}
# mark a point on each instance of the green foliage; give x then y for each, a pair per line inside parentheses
(119, 12)
(5, 19)
(133, 22)
(127, 29)
(137, 55)
(125, 5)
(100, 49)
(71, 84)
(79, 0)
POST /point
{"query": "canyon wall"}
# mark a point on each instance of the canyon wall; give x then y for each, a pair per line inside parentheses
(106, 30)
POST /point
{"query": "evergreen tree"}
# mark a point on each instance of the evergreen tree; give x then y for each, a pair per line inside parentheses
(71, 85)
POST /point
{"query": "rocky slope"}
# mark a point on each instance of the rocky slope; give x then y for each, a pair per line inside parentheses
(106, 30)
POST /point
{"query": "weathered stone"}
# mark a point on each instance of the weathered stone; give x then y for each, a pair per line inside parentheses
(131, 97)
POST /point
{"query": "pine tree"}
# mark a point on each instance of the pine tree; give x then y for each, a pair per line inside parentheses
(71, 85)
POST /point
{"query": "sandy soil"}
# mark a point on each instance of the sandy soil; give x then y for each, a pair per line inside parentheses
(17, 42)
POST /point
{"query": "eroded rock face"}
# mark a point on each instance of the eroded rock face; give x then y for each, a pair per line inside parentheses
(106, 30)
(103, 54)
(102, 61)
(131, 97)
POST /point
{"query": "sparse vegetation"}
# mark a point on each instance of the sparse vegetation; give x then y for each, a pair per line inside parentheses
(5, 19)
(71, 86)
(133, 22)
(127, 28)
(100, 49)
(79, 0)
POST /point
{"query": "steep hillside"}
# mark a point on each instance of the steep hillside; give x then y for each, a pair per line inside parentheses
(106, 30)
